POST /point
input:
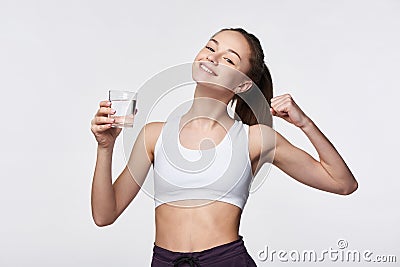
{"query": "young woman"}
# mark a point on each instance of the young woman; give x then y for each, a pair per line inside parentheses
(198, 213)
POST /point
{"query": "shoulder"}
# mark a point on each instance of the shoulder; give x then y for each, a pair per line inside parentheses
(259, 132)
(153, 129)
(150, 133)
(262, 140)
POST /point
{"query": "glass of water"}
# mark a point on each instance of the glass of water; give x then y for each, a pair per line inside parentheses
(124, 103)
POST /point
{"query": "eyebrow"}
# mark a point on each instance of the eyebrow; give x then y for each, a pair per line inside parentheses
(229, 50)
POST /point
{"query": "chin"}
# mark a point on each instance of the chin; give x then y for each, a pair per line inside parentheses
(212, 86)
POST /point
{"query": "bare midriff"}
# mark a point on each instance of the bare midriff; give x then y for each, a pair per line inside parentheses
(186, 227)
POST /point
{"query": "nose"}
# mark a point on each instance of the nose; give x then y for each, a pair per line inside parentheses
(212, 58)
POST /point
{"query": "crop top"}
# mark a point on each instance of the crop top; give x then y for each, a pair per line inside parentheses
(221, 173)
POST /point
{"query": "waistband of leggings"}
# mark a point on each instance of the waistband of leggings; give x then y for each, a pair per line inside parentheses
(235, 247)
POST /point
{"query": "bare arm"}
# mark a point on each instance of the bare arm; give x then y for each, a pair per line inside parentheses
(110, 200)
(330, 173)
(103, 195)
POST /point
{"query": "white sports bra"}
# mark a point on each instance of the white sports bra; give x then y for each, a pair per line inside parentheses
(221, 173)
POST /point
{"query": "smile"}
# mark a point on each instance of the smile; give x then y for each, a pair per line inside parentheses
(207, 69)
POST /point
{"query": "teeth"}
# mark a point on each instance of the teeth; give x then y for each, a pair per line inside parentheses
(206, 69)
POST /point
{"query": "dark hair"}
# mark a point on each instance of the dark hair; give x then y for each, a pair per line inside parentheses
(260, 75)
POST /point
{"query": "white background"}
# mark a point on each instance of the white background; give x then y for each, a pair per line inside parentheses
(338, 59)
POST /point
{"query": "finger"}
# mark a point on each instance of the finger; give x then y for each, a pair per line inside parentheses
(278, 102)
(280, 97)
(277, 97)
(285, 99)
(104, 111)
(281, 109)
(103, 120)
(105, 103)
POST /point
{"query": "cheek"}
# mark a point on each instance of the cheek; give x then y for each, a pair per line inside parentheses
(199, 55)
(231, 78)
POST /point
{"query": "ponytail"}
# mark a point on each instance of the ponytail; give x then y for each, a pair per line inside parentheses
(258, 97)
(252, 106)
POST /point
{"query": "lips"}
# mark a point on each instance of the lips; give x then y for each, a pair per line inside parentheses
(207, 69)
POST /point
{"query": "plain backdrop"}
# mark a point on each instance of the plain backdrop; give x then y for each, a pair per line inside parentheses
(338, 59)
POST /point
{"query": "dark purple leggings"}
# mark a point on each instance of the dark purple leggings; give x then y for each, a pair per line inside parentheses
(232, 254)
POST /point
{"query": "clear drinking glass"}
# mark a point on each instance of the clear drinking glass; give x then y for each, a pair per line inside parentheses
(124, 102)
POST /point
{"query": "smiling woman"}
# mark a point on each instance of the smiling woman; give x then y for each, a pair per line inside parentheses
(198, 205)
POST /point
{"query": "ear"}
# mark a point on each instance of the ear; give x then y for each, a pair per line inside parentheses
(246, 85)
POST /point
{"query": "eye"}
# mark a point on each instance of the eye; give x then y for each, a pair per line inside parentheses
(229, 61)
(210, 48)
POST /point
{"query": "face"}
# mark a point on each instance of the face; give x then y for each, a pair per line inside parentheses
(223, 62)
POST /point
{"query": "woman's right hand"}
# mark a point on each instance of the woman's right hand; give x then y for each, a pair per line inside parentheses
(101, 126)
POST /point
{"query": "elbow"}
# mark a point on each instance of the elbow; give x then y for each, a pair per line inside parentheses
(101, 222)
(349, 189)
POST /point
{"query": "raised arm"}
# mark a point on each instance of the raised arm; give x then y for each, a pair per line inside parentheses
(109, 199)
(330, 173)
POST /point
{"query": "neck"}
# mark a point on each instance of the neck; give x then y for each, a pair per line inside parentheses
(209, 106)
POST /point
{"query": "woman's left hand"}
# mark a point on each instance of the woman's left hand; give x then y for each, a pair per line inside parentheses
(283, 106)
